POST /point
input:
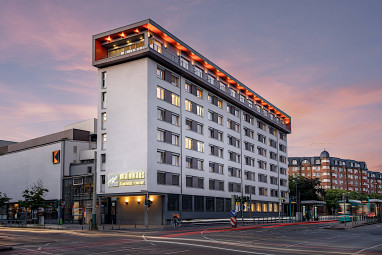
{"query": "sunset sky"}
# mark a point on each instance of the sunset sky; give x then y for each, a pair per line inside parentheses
(318, 61)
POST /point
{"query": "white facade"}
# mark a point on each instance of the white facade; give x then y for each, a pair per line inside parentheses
(132, 124)
(21, 169)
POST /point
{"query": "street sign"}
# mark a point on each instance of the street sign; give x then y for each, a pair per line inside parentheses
(62, 204)
(233, 213)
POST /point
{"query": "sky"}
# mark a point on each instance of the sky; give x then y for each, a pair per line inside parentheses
(318, 61)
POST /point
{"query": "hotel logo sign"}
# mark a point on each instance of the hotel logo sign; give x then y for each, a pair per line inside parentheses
(56, 157)
(126, 179)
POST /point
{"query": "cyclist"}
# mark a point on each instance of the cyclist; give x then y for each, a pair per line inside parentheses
(175, 220)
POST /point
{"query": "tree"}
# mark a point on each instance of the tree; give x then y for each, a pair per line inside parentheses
(34, 196)
(307, 188)
(4, 199)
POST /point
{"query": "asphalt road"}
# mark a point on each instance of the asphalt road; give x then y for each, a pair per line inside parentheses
(267, 239)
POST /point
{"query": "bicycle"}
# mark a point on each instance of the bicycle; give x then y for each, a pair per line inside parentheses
(175, 223)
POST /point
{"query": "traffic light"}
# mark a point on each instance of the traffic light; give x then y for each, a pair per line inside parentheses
(148, 202)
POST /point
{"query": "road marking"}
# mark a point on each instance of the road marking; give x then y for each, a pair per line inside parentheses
(34, 250)
(147, 240)
(294, 244)
(358, 252)
(212, 247)
(177, 252)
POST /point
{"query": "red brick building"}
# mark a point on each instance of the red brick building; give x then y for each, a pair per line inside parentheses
(337, 173)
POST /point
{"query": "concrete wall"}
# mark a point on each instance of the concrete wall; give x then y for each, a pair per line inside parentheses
(20, 170)
(126, 128)
(133, 213)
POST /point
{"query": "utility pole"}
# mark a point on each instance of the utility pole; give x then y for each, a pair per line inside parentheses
(94, 205)
(146, 211)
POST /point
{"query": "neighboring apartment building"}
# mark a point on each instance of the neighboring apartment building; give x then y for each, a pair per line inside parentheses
(177, 126)
(337, 173)
(63, 162)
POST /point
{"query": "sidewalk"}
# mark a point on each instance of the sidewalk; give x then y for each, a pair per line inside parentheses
(349, 225)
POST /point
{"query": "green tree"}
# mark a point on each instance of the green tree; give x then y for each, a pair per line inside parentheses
(307, 188)
(34, 196)
(4, 199)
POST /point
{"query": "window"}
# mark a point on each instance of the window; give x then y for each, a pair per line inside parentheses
(199, 110)
(233, 141)
(198, 71)
(199, 93)
(161, 157)
(175, 80)
(160, 135)
(175, 119)
(261, 151)
(194, 163)
(234, 187)
(250, 175)
(104, 141)
(216, 185)
(175, 100)
(249, 161)
(249, 132)
(200, 146)
(156, 45)
(249, 146)
(160, 73)
(161, 114)
(103, 80)
(261, 138)
(263, 192)
(216, 168)
(222, 85)
(211, 79)
(233, 156)
(167, 178)
(232, 92)
(160, 93)
(103, 99)
(261, 125)
(262, 164)
(103, 118)
(184, 62)
(250, 189)
(248, 118)
(187, 87)
(194, 182)
(273, 180)
(173, 203)
(215, 134)
(272, 131)
(273, 155)
(188, 105)
(273, 168)
(272, 143)
(175, 160)
(188, 143)
(242, 98)
(175, 139)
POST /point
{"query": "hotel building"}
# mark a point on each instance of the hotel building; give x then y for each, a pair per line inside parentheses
(178, 127)
(337, 173)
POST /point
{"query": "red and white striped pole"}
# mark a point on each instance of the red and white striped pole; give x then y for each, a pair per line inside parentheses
(233, 222)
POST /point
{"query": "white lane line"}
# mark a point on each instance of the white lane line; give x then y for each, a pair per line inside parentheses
(211, 247)
(201, 233)
(177, 252)
(144, 238)
(34, 250)
(368, 248)
(294, 244)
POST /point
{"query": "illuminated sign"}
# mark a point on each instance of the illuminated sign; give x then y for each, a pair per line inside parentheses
(126, 179)
(56, 157)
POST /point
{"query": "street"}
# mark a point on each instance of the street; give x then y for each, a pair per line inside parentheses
(258, 239)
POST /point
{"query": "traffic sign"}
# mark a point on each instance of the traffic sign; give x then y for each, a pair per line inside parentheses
(62, 204)
(233, 222)
(233, 213)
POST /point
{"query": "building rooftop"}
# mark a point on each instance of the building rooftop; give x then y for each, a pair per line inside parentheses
(133, 42)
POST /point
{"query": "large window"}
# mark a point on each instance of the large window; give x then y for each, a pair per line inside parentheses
(103, 80)
(184, 62)
(173, 203)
